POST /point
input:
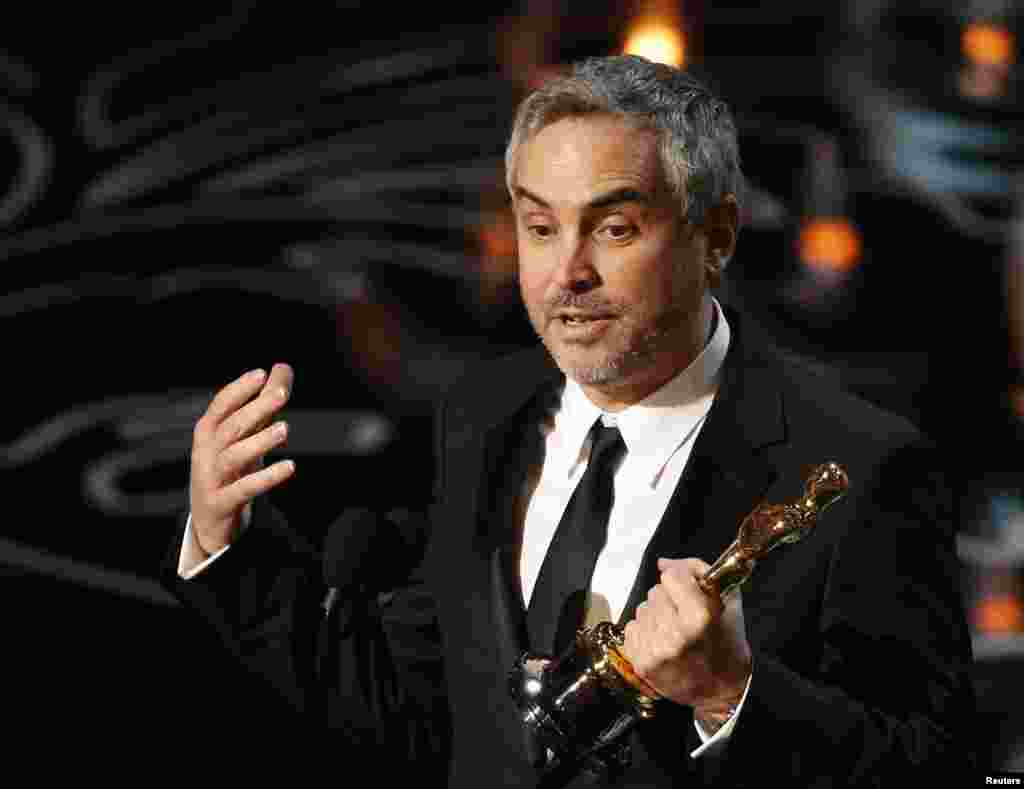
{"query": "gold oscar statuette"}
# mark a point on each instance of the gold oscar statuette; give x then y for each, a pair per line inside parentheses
(577, 705)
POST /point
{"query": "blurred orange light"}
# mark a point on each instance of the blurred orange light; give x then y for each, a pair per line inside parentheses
(1002, 613)
(497, 236)
(657, 39)
(830, 244)
(497, 257)
(1017, 400)
(988, 44)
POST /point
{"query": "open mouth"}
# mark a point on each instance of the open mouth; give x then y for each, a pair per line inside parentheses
(581, 320)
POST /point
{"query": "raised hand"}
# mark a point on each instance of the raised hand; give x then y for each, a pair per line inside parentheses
(228, 446)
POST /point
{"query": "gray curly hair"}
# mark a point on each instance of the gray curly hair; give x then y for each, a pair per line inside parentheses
(697, 134)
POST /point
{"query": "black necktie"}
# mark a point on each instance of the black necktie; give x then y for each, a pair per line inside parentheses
(559, 598)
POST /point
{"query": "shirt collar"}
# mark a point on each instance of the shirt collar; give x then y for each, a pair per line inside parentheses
(657, 426)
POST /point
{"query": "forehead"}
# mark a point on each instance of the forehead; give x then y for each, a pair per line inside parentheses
(574, 159)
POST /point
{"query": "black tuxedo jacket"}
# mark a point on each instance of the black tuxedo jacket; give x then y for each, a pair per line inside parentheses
(861, 653)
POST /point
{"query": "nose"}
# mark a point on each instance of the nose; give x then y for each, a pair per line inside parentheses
(575, 267)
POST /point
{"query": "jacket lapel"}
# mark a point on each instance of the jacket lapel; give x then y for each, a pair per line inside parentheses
(492, 467)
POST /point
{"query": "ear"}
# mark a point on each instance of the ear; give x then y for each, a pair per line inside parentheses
(721, 227)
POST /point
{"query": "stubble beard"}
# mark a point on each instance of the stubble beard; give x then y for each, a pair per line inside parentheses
(631, 353)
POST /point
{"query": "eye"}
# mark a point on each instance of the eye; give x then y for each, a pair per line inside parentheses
(540, 232)
(616, 231)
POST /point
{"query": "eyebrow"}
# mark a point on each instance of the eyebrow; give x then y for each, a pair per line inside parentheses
(624, 195)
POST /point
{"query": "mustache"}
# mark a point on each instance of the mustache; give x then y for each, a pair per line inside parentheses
(584, 302)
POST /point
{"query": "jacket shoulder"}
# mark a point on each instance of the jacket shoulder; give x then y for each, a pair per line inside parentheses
(493, 388)
(817, 402)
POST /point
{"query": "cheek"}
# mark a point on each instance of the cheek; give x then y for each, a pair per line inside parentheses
(681, 281)
(636, 282)
(532, 296)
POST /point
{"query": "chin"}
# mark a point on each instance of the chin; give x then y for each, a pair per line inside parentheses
(610, 368)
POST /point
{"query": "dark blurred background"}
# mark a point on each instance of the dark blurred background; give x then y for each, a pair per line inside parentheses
(188, 194)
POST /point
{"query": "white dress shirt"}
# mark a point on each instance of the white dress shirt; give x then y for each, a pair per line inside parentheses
(659, 433)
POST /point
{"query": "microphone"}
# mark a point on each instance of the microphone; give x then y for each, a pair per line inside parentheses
(366, 552)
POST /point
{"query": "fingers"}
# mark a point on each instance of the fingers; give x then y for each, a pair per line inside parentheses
(677, 642)
(242, 491)
(230, 438)
(279, 382)
(661, 624)
(676, 610)
(682, 579)
(659, 603)
(250, 417)
(247, 455)
(692, 566)
(232, 397)
(652, 638)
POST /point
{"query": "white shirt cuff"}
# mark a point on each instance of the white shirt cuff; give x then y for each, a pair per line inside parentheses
(189, 549)
(716, 742)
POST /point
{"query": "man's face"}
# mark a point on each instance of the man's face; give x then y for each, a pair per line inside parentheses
(612, 276)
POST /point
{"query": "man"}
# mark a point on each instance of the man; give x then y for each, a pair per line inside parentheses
(845, 659)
